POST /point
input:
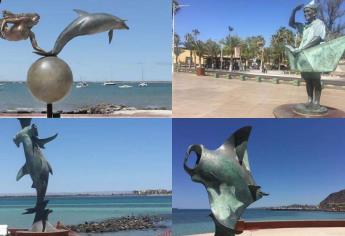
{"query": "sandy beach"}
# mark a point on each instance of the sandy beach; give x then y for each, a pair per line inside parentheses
(209, 97)
(291, 232)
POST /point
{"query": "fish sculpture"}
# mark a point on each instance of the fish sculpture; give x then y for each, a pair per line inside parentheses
(86, 24)
(39, 169)
(226, 175)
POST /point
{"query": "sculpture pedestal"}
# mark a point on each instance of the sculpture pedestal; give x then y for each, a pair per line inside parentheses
(23, 232)
(289, 111)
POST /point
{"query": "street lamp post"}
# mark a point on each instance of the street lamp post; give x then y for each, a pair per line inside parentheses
(221, 56)
(230, 47)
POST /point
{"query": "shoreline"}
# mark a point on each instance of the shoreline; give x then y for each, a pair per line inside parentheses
(99, 110)
(124, 223)
(85, 195)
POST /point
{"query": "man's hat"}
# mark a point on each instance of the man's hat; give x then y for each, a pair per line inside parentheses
(312, 5)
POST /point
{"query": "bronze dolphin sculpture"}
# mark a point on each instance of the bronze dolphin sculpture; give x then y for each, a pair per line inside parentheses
(226, 175)
(36, 166)
(86, 24)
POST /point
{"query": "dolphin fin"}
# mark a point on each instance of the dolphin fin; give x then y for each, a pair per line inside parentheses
(256, 192)
(50, 168)
(111, 33)
(81, 12)
(23, 171)
(42, 142)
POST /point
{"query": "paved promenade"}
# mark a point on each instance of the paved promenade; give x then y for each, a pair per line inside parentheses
(208, 97)
(292, 232)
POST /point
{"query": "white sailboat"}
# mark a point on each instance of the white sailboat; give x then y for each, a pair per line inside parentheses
(109, 83)
(81, 84)
(142, 83)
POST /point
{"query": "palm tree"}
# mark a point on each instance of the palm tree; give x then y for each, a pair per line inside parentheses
(189, 45)
(200, 50)
(177, 49)
(195, 33)
(281, 38)
(230, 43)
(212, 48)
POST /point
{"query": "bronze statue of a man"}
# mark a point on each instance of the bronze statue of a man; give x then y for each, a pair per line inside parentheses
(16, 27)
(313, 33)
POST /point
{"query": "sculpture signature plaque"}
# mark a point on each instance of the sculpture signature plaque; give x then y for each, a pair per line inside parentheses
(39, 169)
(226, 175)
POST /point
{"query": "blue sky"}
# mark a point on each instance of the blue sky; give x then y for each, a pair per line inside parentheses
(296, 161)
(91, 57)
(93, 155)
(247, 17)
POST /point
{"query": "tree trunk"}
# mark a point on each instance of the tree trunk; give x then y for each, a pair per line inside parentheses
(231, 62)
(190, 59)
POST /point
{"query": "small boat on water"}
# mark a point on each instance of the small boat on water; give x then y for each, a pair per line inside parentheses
(109, 83)
(142, 83)
(125, 86)
(82, 85)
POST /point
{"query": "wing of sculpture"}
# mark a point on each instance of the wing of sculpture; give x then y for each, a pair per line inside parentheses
(322, 58)
(226, 175)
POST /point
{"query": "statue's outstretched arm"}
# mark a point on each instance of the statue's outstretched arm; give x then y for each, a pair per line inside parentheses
(292, 21)
(34, 42)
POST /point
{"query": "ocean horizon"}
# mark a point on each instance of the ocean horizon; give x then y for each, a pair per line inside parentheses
(197, 221)
(76, 210)
(157, 95)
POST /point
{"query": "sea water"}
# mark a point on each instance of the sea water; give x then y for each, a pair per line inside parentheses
(75, 210)
(187, 222)
(16, 96)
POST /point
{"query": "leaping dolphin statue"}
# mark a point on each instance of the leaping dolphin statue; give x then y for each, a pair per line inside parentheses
(37, 167)
(86, 24)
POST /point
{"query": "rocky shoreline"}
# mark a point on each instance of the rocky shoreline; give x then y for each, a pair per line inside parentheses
(120, 224)
(93, 109)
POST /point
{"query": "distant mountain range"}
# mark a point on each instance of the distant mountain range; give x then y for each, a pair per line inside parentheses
(334, 202)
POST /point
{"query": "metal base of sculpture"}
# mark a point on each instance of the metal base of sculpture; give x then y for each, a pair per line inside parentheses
(310, 109)
(291, 111)
(21, 232)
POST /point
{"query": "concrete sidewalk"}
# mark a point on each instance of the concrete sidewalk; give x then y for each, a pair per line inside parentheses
(208, 97)
(291, 232)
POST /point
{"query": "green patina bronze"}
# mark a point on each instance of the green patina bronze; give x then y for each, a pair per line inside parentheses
(38, 168)
(321, 58)
(226, 175)
(313, 56)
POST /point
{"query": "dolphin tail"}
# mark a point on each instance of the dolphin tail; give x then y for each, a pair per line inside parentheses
(38, 208)
(46, 54)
